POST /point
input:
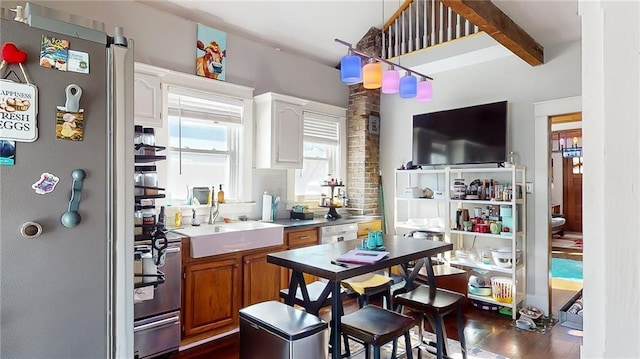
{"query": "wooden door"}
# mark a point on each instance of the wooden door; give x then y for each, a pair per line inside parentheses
(261, 280)
(572, 193)
(211, 298)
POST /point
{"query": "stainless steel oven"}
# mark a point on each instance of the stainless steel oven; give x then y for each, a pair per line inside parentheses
(157, 321)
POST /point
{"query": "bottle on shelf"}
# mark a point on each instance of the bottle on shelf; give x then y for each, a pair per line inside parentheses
(220, 195)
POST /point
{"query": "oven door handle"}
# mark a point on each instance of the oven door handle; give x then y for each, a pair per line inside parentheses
(160, 323)
(172, 250)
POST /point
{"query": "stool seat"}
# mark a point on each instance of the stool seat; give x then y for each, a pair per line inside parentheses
(377, 326)
(441, 302)
(367, 285)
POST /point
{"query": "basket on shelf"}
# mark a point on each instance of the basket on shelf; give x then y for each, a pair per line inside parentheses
(502, 289)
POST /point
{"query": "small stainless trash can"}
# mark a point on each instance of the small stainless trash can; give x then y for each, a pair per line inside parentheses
(274, 330)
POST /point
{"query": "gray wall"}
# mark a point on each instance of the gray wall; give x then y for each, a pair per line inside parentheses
(508, 79)
(169, 41)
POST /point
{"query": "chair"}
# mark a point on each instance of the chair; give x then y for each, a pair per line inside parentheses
(375, 326)
(315, 289)
(368, 285)
(435, 304)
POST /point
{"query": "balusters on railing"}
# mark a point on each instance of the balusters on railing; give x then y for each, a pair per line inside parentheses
(425, 27)
(417, 25)
(422, 23)
(449, 28)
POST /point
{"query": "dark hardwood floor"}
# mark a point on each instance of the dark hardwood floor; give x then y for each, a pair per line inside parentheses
(490, 331)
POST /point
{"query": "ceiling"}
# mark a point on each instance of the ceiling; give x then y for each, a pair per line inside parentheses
(309, 27)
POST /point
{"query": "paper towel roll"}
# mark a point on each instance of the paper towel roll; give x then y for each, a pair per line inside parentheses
(267, 200)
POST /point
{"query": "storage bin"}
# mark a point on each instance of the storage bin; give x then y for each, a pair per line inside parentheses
(569, 316)
(502, 289)
(274, 330)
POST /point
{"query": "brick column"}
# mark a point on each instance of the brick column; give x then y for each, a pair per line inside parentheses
(363, 148)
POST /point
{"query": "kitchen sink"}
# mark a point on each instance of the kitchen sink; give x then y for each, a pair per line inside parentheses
(213, 239)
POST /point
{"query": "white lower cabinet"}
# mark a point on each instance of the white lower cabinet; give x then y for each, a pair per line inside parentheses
(480, 210)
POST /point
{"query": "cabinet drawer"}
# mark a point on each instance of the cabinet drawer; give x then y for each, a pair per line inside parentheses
(302, 238)
(365, 227)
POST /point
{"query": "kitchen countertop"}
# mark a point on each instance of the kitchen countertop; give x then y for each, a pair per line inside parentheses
(321, 222)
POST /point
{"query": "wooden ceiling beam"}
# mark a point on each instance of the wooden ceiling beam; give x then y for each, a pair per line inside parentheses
(498, 25)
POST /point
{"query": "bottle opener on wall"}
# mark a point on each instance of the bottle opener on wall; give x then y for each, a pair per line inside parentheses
(70, 117)
(71, 217)
(18, 101)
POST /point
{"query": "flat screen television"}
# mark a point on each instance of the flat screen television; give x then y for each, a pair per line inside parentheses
(467, 135)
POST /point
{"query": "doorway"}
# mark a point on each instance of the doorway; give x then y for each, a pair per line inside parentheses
(566, 208)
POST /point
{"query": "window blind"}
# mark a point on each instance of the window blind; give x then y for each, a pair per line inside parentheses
(321, 127)
(201, 105)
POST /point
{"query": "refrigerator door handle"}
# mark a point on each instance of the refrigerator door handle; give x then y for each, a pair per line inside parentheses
(158, 324)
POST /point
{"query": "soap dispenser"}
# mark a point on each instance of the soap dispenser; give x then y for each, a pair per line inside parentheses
(194, 219)
(220, 195)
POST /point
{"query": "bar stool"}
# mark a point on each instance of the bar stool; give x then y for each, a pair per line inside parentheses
(435, 304)
(376, 326)
(368, 285)
(315, 289)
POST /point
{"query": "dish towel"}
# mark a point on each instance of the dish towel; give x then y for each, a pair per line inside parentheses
(143, 293)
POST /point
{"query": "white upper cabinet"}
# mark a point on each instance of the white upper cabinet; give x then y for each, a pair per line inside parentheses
(147, 96)
(279, 131)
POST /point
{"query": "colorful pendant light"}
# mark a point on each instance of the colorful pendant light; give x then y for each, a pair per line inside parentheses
(408, 86)
(372, 75)
(390, 81)
(425, 91)
(351, 69)
(412, 85)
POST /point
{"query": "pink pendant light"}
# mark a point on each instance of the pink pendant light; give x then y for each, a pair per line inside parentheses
(425, 91)
(372, 75)
(390, 81)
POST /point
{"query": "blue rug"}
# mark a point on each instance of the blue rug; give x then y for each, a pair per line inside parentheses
(566, 269)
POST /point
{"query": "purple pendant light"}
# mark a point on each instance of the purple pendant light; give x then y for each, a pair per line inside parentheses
(351, 69)
(390, 81)
(408, 86)
(425, 91)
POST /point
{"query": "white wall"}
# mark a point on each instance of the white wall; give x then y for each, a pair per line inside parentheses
(508, 79)
(610, 128)
(169, 41)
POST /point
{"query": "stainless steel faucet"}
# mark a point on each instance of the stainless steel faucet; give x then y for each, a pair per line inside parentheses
(214, 212)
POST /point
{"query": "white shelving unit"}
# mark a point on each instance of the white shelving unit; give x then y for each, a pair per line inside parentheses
(422, 214)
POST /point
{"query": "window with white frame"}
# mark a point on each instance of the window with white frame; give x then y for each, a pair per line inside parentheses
(205, 138)
(322, 155)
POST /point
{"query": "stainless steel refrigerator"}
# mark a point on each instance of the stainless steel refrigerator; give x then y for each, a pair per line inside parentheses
(65, 293)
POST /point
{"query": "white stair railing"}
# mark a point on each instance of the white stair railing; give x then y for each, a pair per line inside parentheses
(420, 24)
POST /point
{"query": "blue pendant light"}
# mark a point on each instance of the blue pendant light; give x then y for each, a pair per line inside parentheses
(408, 86)
(351, 69)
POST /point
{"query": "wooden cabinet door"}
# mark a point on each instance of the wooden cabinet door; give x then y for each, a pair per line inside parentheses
(261, 280)
(147, 105)
(365, 227)
(211, 296)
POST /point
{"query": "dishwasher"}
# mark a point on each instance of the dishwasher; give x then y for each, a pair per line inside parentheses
(338, 233)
